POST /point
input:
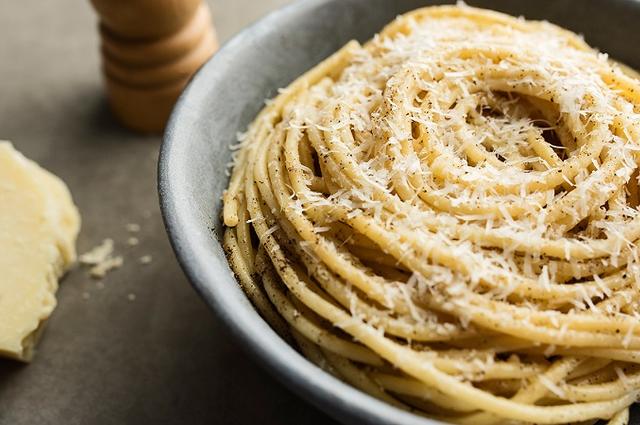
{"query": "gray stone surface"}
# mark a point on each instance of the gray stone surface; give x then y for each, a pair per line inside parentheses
(160, 358)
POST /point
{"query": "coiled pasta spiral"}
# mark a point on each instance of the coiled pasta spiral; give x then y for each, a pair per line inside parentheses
(447, 217)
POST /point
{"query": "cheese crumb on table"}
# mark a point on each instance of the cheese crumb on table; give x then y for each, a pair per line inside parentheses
(133, 227)
(101, 269)
(146, 259)
(101, 259)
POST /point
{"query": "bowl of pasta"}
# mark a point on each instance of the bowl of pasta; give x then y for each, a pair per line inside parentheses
(416, 213)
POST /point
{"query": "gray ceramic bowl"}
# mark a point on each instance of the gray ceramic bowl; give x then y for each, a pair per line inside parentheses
(223, 99)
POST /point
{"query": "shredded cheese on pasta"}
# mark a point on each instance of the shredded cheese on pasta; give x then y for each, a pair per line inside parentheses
(447, 218)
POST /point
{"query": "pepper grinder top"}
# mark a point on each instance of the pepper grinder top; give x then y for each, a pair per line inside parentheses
(145, 19)
(150, 49)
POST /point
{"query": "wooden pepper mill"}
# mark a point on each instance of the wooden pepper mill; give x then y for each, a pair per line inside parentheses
(150, 49)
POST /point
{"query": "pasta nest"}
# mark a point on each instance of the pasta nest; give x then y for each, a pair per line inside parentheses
(446, 218)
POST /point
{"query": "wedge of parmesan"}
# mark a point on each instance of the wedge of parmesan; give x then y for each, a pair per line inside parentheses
(38, 228)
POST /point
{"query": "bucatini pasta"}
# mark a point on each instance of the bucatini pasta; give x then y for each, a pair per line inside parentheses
(446, 217)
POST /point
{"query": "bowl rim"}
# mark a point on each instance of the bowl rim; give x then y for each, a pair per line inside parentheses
(335, 397)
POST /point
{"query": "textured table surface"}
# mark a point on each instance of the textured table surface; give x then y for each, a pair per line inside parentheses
(142, 348)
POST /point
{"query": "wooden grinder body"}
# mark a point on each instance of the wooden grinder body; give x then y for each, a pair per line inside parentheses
(150, 49)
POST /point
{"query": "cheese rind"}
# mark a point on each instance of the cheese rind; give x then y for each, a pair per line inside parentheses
(38, 228)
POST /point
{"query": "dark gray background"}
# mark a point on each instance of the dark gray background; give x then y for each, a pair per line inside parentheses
(161, 358)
